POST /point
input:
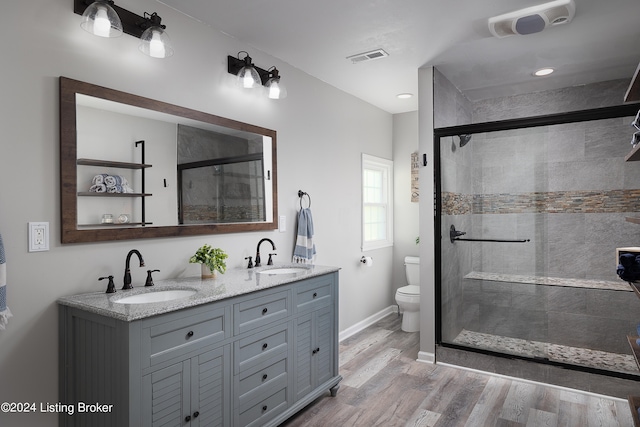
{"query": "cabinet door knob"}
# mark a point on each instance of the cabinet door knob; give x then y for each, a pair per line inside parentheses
(187, 418)
(264, 346)
(264, 408)
(189, 334)
(264, 311)
(315, 294)
(264, 377)
(196, 414)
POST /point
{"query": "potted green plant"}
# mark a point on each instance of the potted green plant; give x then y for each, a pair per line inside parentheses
(212, 260)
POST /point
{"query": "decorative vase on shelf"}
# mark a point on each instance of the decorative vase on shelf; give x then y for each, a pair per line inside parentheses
(206, 273)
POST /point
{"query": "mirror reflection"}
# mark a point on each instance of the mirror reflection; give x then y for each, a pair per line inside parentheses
(143, 165)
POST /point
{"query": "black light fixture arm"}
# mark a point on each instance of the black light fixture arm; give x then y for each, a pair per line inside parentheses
(151, 20)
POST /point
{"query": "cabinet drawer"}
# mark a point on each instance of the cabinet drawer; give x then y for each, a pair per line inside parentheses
(313, 295)
(253, 384)
(256, 312)
(177, 334)
(265, 410)
(256, 349)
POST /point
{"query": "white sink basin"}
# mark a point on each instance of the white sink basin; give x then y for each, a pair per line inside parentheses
(284, 270)
(158, 296)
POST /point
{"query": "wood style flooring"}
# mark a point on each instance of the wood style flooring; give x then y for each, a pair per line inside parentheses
(383, 385)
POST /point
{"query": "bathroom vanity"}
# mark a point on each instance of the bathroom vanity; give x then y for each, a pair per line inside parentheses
(249, 348)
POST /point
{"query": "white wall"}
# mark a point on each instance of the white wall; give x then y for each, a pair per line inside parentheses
(321, 135)
(427, 189)
(405, 213)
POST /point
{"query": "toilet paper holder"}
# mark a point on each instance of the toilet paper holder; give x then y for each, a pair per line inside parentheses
(366, 260)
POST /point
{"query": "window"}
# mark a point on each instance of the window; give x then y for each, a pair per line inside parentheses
(377, 202)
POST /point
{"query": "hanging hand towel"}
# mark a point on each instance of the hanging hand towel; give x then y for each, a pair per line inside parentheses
(5, 314)
(305, 249)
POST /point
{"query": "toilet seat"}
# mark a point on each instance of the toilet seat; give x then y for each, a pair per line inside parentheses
(409, 290)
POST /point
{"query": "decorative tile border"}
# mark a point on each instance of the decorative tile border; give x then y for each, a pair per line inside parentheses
(608, 201)
(551, 281)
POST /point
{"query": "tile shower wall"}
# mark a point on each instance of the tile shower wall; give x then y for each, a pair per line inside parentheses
(452, 108)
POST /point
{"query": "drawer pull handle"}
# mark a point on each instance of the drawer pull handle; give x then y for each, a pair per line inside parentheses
(264, 311)
(264, 346)
(315, 294)
(264, 377)
(189, 334)
(264, 408)
(187, 418)
(317, 350)
(196, 414)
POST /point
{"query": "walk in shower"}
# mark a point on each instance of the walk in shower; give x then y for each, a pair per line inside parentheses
(530, 213)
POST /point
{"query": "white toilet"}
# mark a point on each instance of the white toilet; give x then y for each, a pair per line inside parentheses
(408, 297)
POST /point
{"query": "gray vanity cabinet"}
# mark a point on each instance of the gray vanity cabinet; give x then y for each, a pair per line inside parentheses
(249, 360)
(194, 391)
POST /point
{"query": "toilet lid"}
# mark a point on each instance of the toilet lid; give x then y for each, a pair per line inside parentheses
(409, 290)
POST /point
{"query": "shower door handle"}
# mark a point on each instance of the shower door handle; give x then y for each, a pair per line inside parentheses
(455, 235)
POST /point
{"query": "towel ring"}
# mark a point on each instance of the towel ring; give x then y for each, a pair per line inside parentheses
(301, 194)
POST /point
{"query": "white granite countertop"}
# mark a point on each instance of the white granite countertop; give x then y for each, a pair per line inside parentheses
(233, 283)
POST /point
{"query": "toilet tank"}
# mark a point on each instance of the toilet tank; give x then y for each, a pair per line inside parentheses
(412, 269)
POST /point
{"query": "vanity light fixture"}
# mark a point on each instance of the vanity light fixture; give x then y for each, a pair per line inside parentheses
(250, 76)
(101, 20)
(105, 19)
(246, 73)
(274, 87)
(154, 41)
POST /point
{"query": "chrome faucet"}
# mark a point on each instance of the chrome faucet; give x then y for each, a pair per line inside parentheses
(257, 263)
(127, 271)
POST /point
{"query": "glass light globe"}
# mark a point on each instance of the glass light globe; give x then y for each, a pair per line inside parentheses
(248, 77)
(101, 20)
(276, 90)
(156, 43)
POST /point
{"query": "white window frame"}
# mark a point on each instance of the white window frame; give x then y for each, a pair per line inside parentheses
(386, 167)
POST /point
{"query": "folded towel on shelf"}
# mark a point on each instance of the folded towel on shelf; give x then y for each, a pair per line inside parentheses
(113, 180)
(99, 179)
(5, 313)
(98, 188)
(304, 249)
(105, 183)
(119, 189)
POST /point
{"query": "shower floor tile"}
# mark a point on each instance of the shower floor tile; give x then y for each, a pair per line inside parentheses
(558, 353)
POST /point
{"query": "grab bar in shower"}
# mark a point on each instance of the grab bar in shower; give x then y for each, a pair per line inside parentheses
(455, 235)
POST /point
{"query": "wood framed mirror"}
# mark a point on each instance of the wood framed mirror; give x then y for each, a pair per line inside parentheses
(133, 167)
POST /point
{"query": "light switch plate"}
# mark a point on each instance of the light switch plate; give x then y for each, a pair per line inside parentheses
(38, 236)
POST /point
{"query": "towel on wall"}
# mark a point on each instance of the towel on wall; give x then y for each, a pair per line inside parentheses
(5, 313)
(304, 249)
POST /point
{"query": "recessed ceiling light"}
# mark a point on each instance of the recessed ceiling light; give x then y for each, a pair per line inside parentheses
(543, 72)
(404, 95)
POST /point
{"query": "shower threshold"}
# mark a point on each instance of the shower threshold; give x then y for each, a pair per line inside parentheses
(615, 362)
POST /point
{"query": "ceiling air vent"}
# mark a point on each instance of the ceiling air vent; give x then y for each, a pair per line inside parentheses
(368, 56)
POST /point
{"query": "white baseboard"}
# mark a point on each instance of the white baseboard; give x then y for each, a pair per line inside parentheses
(425, 357)
(352, 330)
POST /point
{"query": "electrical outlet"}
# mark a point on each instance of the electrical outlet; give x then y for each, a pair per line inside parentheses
(38, 236)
